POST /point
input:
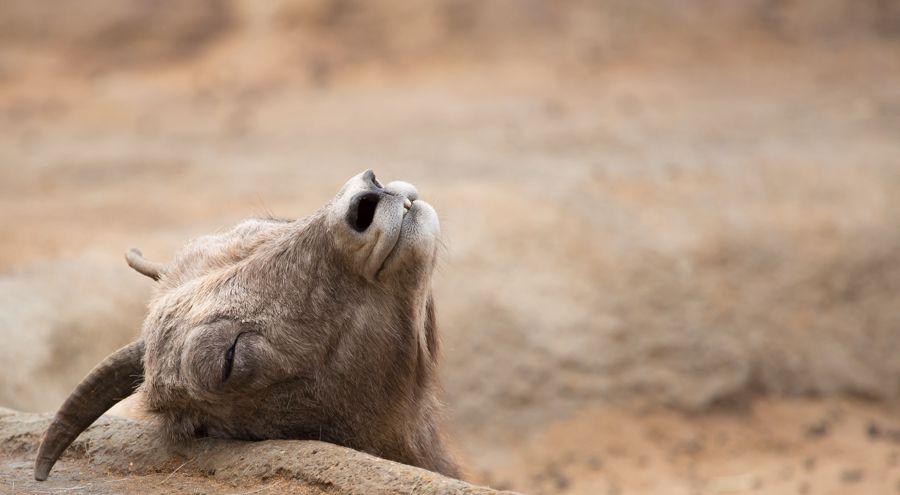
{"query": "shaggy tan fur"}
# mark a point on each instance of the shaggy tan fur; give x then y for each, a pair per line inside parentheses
(319, 328)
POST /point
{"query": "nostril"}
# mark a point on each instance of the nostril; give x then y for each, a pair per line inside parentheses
(362, 212)
(370, 175)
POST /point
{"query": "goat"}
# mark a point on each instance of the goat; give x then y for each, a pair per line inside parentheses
(318, 328)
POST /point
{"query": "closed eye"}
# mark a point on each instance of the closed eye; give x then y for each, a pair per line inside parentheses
(229, 359)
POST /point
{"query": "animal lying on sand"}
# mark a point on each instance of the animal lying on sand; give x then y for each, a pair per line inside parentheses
(318, 328)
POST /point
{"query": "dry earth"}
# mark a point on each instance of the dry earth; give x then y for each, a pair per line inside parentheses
(120, 456)
(671, 243)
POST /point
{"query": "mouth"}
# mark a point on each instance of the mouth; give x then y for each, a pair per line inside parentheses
(407, 206)
(382, 231)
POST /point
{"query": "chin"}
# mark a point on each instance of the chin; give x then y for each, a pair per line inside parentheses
(415, 252)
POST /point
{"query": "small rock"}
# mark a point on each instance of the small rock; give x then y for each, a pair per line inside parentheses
(873, 430)
(561, 482)
(852, 475)
(809, 463)
(556, 476)
(817, 430)
(878, 432)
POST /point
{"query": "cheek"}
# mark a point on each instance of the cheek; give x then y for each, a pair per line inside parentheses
(345, 239)
(202, 362)
(351, 249)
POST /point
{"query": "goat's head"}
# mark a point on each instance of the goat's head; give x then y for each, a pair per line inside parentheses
(284, 329)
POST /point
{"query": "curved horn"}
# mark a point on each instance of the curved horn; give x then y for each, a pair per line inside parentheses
(114, 379)
(143, 266)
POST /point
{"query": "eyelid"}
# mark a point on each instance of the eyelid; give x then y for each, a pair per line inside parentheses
(229, 358)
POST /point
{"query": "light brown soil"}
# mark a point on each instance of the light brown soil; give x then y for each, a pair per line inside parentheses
(689, 213)
(774, 446)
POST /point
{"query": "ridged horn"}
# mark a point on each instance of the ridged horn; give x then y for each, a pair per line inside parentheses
(136, 260)
(114, 379)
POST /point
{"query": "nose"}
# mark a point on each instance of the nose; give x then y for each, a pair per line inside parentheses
(402, 189)
(369, 178)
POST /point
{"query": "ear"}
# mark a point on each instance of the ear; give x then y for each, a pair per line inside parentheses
(151, 269)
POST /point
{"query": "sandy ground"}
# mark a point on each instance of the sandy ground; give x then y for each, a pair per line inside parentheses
(778, 446)
(772, 446)
(80, 479)
(670, 260)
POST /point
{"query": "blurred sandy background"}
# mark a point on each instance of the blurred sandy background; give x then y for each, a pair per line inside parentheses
(672, 228)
